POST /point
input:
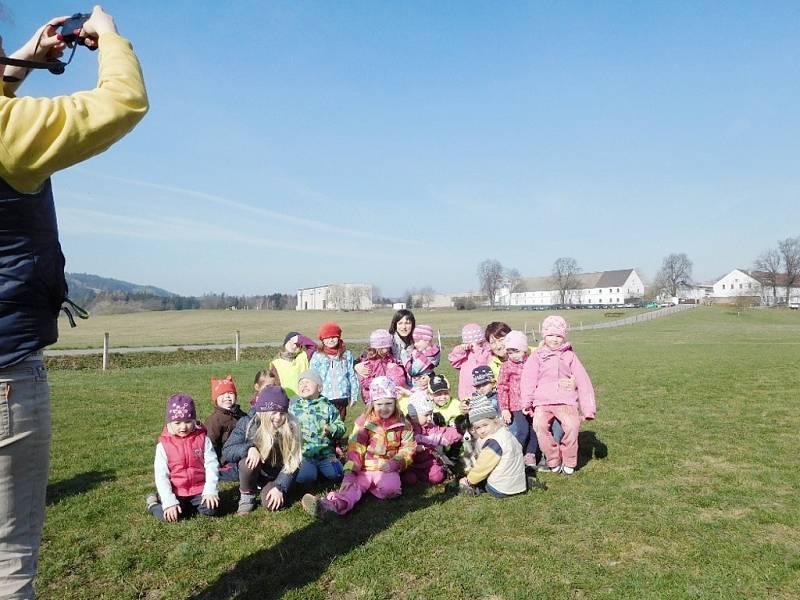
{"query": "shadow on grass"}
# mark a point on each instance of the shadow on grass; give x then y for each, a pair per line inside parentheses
(304, 555)
(590, 447)
(83, 482)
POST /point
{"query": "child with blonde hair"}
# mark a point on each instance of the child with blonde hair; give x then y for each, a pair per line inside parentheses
(546, 400)
(185, 466)
(472, 352)
(267, 446)
(381, 445)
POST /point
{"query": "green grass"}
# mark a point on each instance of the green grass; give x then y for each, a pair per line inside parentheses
(696, 498)
(176, 327)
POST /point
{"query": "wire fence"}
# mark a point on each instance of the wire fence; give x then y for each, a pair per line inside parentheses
(640, 318)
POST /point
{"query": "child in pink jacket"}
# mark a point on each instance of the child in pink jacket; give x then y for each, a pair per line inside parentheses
(380, 362)
(509, 394)
(472, 352)
(428, 464)
(546, 400)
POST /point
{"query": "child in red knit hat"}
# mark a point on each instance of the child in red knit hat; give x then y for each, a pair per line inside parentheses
(334, 363)
(222, 421)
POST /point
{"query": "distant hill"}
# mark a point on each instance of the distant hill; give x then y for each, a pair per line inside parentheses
(83, 284)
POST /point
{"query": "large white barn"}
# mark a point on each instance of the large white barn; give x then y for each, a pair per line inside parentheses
(336, 296)
(602, 287)
(740, 282)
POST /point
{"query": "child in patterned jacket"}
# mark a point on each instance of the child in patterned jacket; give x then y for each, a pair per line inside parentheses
(321, 426)
(379, 361)
(381, 445)
(424, 356)
(334, 363)
(471, 353)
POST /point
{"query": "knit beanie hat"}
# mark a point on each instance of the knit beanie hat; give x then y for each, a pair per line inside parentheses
(480, 407)
(516, 340)
(423, 332)
(482, 374)
(380, 338)
(272, 398)
(329, 329)
(382, 387)
(438, 383)
(290, 335)
(221, 386)
(180, 407)
(471, 333)
(311, 375)
(554, 325)
(418, 404)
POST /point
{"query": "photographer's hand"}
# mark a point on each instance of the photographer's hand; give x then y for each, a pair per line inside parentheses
(99, 23)
(43, 44)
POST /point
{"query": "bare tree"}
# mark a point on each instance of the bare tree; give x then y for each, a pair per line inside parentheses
(768, 266)
(789, 250)
(675, 274)
(426, 295)
(336, 297)
(565, 278)
(490, 277)
(514, 281)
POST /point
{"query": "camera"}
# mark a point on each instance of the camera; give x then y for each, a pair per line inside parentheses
(71, 28)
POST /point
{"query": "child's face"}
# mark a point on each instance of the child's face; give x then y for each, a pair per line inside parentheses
(486, 427)
(384, 407)
(307, 388)
(182, 428)
(485, 389)
(262, 383)
(553, 341)
(278, 419)
(291, 346)
(226, 400)
(441, 398)
(330, 342)
(404, 326)
(515, 355)
(422, 345)
(421, 419)
(498, 345)
(421, 381)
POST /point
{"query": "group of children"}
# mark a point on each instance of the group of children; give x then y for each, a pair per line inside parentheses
(411, 430)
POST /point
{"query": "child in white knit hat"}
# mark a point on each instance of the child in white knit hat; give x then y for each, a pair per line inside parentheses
(429, 465)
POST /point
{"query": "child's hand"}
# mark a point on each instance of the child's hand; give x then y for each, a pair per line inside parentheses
(274, 499)
(568, 384)
(466, 347)
(210, 501)
(507, 416)
(464, 481)
(362, 369)
(172, 513)
(401, 391)
(464, 406)
(253, 458)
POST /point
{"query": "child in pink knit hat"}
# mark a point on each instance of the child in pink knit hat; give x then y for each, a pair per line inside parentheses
(509, 394)
(423, 357)
(380, 362)
(546, 400)
(473, 352)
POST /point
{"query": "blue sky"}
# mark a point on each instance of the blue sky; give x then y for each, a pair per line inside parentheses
(292, 144)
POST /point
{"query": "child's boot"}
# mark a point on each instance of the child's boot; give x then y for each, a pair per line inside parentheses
(318, 507)
(247, 503)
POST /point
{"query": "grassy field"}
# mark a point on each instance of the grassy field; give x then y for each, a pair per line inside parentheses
(217, 326)
(688, 489)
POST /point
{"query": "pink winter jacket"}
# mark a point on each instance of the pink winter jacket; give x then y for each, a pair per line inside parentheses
(386, 366)
(429, 437)
(541, 374)
(465, 361)
(509, 392)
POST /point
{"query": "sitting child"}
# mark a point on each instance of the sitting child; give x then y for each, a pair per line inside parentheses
(381, 445)
(378, 361)
(266, 445)
(547, 400)
(321, 426)
(471, 353)
(499, 469)
(222, 421)
(185, 466)
(429, 459)
(443, 403)
(424, 356)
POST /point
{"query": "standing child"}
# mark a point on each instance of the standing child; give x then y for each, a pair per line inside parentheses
(510, 395)
(472, 352)
(222, 421)
(499, 469)
(321, 426)
(290, 362)
(484, 382)
(334, 363)
(267, 446)
(380, 362)
(262, 379)
(443, 403)
(424, 356)
(185, 466)
(428, 465)
(381, 445)
(547, 400)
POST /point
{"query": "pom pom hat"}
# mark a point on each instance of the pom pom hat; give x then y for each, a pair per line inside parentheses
(329, 330)
(554, 325)
(221, 386)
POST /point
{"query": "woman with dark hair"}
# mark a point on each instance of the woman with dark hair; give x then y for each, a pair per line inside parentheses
(401, 329)
(495, 335)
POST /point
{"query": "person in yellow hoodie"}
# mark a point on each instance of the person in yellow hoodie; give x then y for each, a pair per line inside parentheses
(39, 136)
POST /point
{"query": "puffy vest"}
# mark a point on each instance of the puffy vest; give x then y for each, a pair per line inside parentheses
(290, 371)
(186, 461)
(32, 283)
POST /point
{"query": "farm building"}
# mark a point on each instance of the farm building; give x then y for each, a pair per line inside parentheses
(336, 296)
(742, 283)
(602, 287)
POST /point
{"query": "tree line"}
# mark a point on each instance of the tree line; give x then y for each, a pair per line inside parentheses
(115, 302)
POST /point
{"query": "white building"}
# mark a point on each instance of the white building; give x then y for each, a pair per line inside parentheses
(740, 282)
(448, 300)
(336, 296)
(602, 287)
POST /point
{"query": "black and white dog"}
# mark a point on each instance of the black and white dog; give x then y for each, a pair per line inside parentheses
(469, 443)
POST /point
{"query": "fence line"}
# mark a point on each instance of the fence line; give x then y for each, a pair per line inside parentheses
(640, 318)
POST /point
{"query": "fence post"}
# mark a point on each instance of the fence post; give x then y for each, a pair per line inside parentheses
(439, 337)
(105, 351)
(238, 349)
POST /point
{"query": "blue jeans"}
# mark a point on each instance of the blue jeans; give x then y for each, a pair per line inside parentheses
(24, 461)
(522, 428)
(189, 505)
(310, 469)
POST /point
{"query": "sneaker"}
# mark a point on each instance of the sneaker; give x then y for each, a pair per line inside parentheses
(318, 507)
(542, 468)
(151, 500)
(567, 470)
(247, 504)
(556, 469)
